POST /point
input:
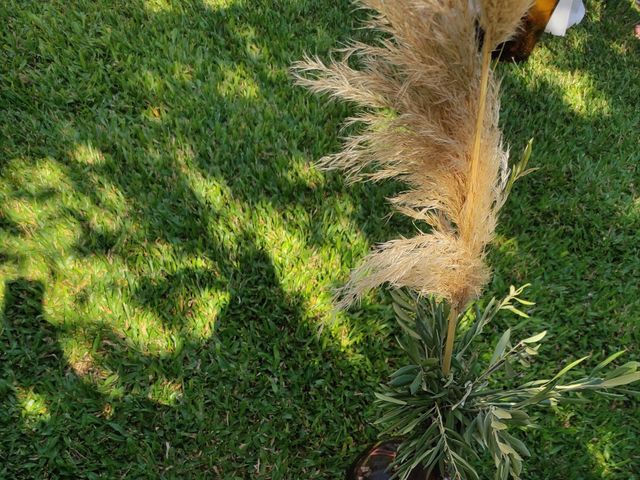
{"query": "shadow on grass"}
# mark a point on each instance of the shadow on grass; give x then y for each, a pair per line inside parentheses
(241, 402)
(125, 125)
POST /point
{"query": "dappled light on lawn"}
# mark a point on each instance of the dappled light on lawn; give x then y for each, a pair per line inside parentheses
(167, 250)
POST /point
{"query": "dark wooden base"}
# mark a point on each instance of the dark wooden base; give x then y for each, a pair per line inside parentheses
(374, 463)
(519, 48)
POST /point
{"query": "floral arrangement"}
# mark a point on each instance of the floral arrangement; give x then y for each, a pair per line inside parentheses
(429, 118)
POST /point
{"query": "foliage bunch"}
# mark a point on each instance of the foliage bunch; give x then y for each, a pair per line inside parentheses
(446, 421)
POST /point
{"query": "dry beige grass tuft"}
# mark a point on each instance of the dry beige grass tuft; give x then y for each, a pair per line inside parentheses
(500, 19)
(430, 120)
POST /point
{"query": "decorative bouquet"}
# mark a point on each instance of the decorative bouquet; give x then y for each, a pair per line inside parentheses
(430, 119)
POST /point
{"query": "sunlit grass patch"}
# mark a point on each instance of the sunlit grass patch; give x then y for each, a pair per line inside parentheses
(33, 406)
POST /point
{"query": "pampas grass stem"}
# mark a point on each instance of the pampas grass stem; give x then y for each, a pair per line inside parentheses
(451, 333)
(467, 233)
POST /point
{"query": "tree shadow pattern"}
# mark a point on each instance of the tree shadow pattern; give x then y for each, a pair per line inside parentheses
(250, 400)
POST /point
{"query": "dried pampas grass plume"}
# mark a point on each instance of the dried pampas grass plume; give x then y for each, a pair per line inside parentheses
(500, 19)
(430, 120)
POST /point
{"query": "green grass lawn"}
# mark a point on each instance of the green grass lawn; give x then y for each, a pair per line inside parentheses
(167, 249)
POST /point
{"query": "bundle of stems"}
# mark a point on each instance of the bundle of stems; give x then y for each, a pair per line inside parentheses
(430, 119)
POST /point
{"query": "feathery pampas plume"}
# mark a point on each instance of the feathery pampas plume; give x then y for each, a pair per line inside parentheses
(431, 70)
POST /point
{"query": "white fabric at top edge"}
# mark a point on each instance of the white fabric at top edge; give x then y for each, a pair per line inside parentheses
(566, 14)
